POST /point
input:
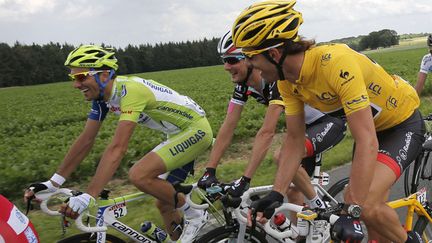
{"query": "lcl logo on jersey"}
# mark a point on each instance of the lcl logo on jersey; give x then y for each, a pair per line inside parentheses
(357, 102)
(375, 88)
(392, 103)
(346, 76)
(327, 97)
(325, 59)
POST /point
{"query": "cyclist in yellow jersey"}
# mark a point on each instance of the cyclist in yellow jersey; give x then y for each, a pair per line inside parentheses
(381, 111)
(136, 101)
(248, 83)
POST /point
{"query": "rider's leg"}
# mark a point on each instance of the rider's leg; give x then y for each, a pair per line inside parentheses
(375, 235)
(144, 175)
(171, 218)
(296, 197)
(376, 214)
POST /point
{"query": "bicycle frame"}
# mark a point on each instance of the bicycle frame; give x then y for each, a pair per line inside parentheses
(107, 213)
(110, 210)
(414, 205)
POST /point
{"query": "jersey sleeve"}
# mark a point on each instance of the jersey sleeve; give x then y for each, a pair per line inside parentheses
(426, 64)
(274, 95)
(240, 94)
(348, 82)
(293, 105)
(98, 110)
(133, 102)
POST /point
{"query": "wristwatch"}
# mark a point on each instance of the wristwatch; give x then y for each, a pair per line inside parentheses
(354, 210)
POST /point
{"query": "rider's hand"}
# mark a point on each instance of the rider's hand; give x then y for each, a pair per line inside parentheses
(39, 188)
(347, 228)
(238, 187)
(208, 179)
(265, 207)
(77, 204)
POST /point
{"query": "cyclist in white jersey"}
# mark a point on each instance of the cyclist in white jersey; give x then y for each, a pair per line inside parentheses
(136, 101)
(248, 82)
(425, 67)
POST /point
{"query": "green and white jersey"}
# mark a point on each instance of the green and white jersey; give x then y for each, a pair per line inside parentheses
(152, 104)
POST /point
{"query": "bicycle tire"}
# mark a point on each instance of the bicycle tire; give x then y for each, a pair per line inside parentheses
(424, 228)
(419, 176)
(229, 234)
(89, 238)
(407, 182)
(336, 190)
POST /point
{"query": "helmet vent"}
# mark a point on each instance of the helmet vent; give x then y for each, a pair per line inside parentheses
(293, 25)
(253, 33)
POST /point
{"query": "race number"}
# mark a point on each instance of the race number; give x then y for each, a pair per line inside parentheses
(119, 210)
(421, 196)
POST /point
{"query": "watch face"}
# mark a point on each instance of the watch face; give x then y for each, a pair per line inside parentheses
(354, 210)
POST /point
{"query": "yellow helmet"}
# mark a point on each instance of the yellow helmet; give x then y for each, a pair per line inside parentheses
(92, 56)
(265, 25)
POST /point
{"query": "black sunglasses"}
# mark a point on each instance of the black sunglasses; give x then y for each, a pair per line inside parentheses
(232, 60)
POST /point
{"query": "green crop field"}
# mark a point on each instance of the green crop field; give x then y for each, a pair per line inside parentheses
(40, 122)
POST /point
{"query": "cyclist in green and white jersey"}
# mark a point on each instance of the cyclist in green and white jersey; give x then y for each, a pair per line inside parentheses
(136, 101)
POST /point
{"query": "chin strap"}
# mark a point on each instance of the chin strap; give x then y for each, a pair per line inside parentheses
(249, 72)
(102, 85)
(277, 64)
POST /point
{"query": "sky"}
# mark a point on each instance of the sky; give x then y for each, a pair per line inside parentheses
(122, 22)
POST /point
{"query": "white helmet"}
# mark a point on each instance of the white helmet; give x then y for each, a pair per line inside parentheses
(226, 46)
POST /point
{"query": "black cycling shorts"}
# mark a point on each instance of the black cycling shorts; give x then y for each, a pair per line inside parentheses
(322, 135)
(401, 144)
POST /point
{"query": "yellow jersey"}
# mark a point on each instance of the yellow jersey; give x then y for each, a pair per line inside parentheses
(337, 80)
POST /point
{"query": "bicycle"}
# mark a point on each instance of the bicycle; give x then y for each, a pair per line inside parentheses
(108, 213)
(417, 204)
(315, 223)
(419, 173)
(235, 228)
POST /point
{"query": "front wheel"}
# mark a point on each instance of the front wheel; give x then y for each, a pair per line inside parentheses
(229, 234)
(337, 190)
(89, 238)
(424, 228)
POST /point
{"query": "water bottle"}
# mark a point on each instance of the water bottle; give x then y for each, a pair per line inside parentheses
(281, 222)
(303, 227)
(154, 232)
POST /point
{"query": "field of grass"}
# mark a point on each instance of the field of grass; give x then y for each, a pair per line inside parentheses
(40, 122)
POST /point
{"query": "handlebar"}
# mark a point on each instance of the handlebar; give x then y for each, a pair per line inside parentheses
(192, 203)
(46, 196)
(78, 221)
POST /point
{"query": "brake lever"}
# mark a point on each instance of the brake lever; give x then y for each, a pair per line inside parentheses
(29, 205)
(253, 226)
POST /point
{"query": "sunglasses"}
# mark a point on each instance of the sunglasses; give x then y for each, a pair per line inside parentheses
(80, 77)
(232, 60)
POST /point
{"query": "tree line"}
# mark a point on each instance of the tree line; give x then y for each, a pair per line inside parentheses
(38, 64)
(374, 40)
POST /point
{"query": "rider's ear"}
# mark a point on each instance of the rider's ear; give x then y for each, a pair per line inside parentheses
(275, 54)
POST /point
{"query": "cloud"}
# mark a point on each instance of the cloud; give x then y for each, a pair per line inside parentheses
(119, 22)
(22, 10)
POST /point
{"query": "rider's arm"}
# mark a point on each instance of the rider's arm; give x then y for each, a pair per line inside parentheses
(80, 148)
(362, 128)
(421, 78)
(263, 138)
(291, 153)
(225, 134)
(112, 157)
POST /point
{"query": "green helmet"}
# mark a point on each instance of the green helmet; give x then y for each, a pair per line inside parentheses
(92, 56)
